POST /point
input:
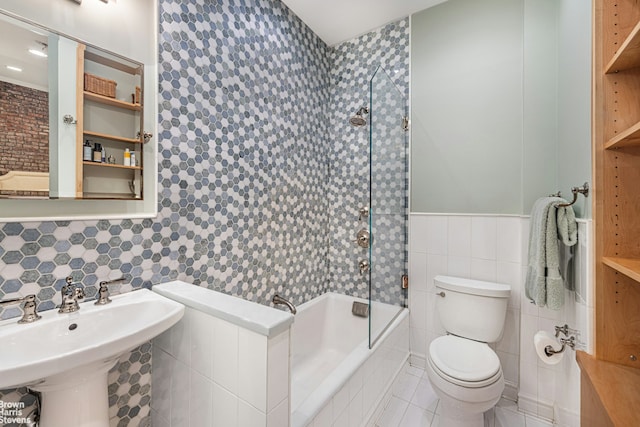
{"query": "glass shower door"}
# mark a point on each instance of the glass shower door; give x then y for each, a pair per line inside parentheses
(388, 202)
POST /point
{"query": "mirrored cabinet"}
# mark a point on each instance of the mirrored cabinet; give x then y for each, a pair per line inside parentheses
(73, 123)
(78, 90)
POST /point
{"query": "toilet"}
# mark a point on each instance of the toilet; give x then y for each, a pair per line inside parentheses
(464, 371)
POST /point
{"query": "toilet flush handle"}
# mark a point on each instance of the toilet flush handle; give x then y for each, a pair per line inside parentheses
(441, 294)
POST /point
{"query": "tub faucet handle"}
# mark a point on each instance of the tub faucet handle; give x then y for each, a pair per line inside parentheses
(363, 239)
(364, 266)
(363, 213)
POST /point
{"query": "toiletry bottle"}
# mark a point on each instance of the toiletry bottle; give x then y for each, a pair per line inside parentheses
(86, 151)
(133, 158)
(127, 157)
(104, 155)
(97, 153)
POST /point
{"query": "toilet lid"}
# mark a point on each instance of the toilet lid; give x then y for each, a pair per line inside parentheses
(464, 359)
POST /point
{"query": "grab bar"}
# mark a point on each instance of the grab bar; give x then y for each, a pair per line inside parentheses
(584, 190)
(277, 299)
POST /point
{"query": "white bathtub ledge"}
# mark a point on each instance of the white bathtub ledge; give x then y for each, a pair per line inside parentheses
(256, 317)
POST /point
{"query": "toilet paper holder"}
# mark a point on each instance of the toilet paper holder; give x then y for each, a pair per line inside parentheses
(569, 341)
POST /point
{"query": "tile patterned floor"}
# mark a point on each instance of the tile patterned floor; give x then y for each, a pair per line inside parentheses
(415, 404)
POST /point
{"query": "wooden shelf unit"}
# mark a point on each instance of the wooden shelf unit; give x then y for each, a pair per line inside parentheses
(104, 180)
(616, 177)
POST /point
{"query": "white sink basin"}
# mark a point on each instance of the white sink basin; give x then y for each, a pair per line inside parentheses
(72, 353)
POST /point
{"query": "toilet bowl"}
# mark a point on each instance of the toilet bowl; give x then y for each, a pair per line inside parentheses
(464, 371)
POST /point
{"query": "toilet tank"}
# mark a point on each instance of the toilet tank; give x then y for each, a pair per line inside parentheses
(472, 308)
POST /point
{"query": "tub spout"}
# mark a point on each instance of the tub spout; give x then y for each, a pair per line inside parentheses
(277, 299)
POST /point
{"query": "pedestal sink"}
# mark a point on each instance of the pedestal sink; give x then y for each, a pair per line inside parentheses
(66, 357)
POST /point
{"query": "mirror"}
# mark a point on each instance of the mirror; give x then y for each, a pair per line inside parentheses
(24, 110)
(76, 135)
(72, 116)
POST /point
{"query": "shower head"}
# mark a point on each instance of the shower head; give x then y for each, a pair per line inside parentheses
(358, 120)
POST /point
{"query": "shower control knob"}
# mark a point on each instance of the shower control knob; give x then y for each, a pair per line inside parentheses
(363, 265)
(363, 213)
(363, 239)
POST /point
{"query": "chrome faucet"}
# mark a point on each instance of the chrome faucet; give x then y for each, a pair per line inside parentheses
(71, 293)
(29, 309)
(277, 299)
(103, 291)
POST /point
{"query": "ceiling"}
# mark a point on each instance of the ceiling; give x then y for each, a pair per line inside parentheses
(335, 21)
(15, 41)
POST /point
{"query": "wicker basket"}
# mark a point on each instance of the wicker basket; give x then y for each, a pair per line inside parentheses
(99, 85)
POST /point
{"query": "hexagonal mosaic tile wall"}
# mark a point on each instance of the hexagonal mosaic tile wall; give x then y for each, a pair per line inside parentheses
(246, 170)
(353, 65)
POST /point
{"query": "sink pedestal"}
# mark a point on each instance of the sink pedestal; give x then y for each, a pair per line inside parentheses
(76, 398)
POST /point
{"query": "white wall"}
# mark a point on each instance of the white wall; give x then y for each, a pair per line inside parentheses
(500, 104)
(574, 98)
(466, 107)
(493, 247)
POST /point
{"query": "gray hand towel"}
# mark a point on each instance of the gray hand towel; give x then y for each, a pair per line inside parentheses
(544, 284)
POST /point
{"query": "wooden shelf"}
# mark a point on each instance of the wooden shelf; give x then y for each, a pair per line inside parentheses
(628, 138)
(109, 165)
(109, 62)
(627, 266)
(628, 55)
(110, 196)
(112, 101)
(617, 388)
(112, 137)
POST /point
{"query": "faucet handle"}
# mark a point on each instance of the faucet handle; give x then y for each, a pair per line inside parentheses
(29, 309)
(103, 291)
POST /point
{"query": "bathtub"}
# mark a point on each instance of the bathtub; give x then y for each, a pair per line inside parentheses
(334, 374)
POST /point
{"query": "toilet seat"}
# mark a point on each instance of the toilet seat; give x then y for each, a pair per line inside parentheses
(464, 362)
